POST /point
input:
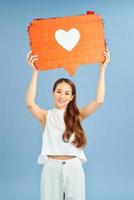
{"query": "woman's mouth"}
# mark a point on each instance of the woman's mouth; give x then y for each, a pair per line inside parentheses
(61, 101)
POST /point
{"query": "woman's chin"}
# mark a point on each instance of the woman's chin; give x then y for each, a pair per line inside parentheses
(61, 105)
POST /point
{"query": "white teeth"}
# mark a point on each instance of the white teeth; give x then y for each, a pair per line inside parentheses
(61, 101)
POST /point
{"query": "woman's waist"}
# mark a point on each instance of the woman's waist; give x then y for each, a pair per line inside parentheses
(61, 157)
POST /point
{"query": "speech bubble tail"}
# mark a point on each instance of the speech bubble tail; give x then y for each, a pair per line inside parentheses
(71, 70)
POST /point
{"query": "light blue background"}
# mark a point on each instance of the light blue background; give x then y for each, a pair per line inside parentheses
(110, 166)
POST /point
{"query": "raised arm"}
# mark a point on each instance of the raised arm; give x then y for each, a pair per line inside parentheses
(91, 107)
(38, 112)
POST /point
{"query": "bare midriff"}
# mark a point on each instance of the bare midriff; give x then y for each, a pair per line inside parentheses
(61, 157)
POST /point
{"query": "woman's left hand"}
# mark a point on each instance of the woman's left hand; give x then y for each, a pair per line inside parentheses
(107, 59)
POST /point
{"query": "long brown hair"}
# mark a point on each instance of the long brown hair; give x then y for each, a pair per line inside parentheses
(71, 118)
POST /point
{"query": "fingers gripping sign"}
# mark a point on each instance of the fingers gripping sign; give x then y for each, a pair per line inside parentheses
(31, 59)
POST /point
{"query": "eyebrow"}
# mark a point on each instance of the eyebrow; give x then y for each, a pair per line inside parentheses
(65, 91)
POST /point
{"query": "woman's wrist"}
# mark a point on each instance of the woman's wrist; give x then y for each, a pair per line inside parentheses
(103, 67)
(35, 71)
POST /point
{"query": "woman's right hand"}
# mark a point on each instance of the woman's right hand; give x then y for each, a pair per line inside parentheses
(31, 59)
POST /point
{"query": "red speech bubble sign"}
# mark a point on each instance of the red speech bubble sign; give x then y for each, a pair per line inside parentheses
(67, 41)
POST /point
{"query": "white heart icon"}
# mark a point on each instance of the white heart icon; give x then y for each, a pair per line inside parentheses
(69, 39)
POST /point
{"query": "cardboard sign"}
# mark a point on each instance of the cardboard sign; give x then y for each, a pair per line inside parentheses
(67, 41)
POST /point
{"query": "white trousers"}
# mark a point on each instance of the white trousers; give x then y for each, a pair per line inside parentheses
(63, 180)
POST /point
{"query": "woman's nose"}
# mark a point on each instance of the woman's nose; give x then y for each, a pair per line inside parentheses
(62, 96)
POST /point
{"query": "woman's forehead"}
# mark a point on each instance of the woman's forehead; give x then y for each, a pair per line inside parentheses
(64, 86)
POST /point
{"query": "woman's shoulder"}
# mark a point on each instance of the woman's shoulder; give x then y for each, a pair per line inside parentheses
(45, 115)
(46, 111)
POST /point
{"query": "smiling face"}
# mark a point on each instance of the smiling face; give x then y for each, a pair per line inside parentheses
(62, 95)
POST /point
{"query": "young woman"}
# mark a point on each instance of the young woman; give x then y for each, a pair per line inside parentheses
(63, 138)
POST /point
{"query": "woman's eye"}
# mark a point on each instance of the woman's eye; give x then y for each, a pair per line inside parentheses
(60, 92)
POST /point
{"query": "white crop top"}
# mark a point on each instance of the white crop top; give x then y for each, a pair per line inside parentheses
(52, 142)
